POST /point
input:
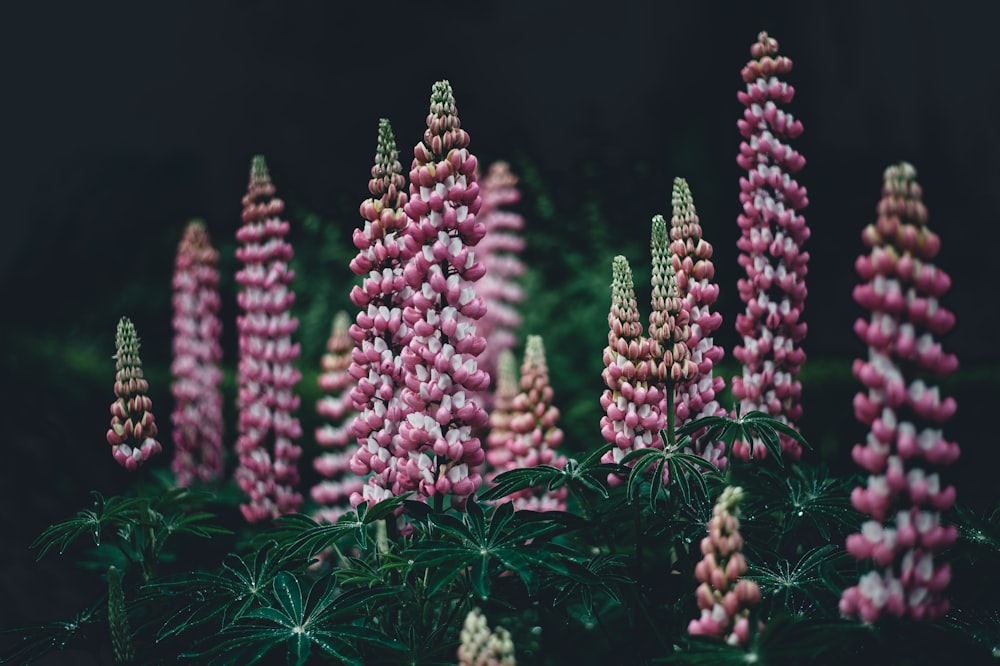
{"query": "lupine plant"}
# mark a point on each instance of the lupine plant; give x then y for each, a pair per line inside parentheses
(773, 231)
(338, 484)
(654, 539)
(499, 250)
(904, 495)
(197, 417)
(268, 429)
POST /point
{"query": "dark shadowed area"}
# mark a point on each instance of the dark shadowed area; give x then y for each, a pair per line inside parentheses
(124, 120)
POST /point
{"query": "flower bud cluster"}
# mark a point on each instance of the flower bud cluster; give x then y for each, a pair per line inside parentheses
(379, 332)
(632, 401)
(197, 417)
(482, 647)
(440, 453)
(507, 387)
(904, 411)
(332, 493)
(267, 472)
(691, 259)
(498, 251)
(772, 235)
(724, 598)
(132, 434)
(531, 433)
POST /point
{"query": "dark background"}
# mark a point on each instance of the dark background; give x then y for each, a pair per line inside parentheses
(123, 120)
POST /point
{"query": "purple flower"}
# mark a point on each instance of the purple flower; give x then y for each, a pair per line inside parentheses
(332, 493)
(724, 596)
(197, 417)
(903, 495)
(267, 472)
(531, 435)
(498, 251)
(772, 235)
(379, 332)
(632, 401)
(691, 258)
(441, 454)
(132, 434)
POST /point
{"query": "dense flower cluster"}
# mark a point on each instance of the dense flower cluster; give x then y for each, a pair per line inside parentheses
(268, 472)
(132, 434)
(772, 235)
(197, 417)
(379, 332)
(724, 598)
(482, 647)
(498, 251)
(332, 493)
(904, 411)
(440, 452)
(691, 258)
(531, 431)
(506, 388)
(632, 401)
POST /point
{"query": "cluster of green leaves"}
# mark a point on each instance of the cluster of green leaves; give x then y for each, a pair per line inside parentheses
(611, 576)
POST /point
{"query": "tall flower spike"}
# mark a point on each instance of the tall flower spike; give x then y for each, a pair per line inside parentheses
(724, 597)
(533, 434)
(132, 435)
(332, 493)
(772, 235)
(507, 388)
(197, 417)
(442, 453)
(267, 473)
(498, 251)
(482, 647)
(904, 412)
(691, 258)
(632, 400)
(379, 332)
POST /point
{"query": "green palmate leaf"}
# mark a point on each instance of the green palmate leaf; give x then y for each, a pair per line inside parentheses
(113, 513)
(480, 546)
(39, 640)
(801, 589)
(684, 470)
(815, 498)
(298, 623)
(308, 537)
(220, 597)
(587, 476)
(749, 427)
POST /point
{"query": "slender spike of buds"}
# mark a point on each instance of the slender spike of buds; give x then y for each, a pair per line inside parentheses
(132, 435)
(336, 407)
(691, 257)
(632, 401)
(532, 433)
(197, 416)
(773, 232)
(903, 496)
(379, 332)
(724, 596)
(268, 472)
(442, 455)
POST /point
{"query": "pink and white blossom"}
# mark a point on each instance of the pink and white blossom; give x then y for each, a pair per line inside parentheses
(268, 473)
(773, 232)
(904, 494)
(132, 434)
(197, 416)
